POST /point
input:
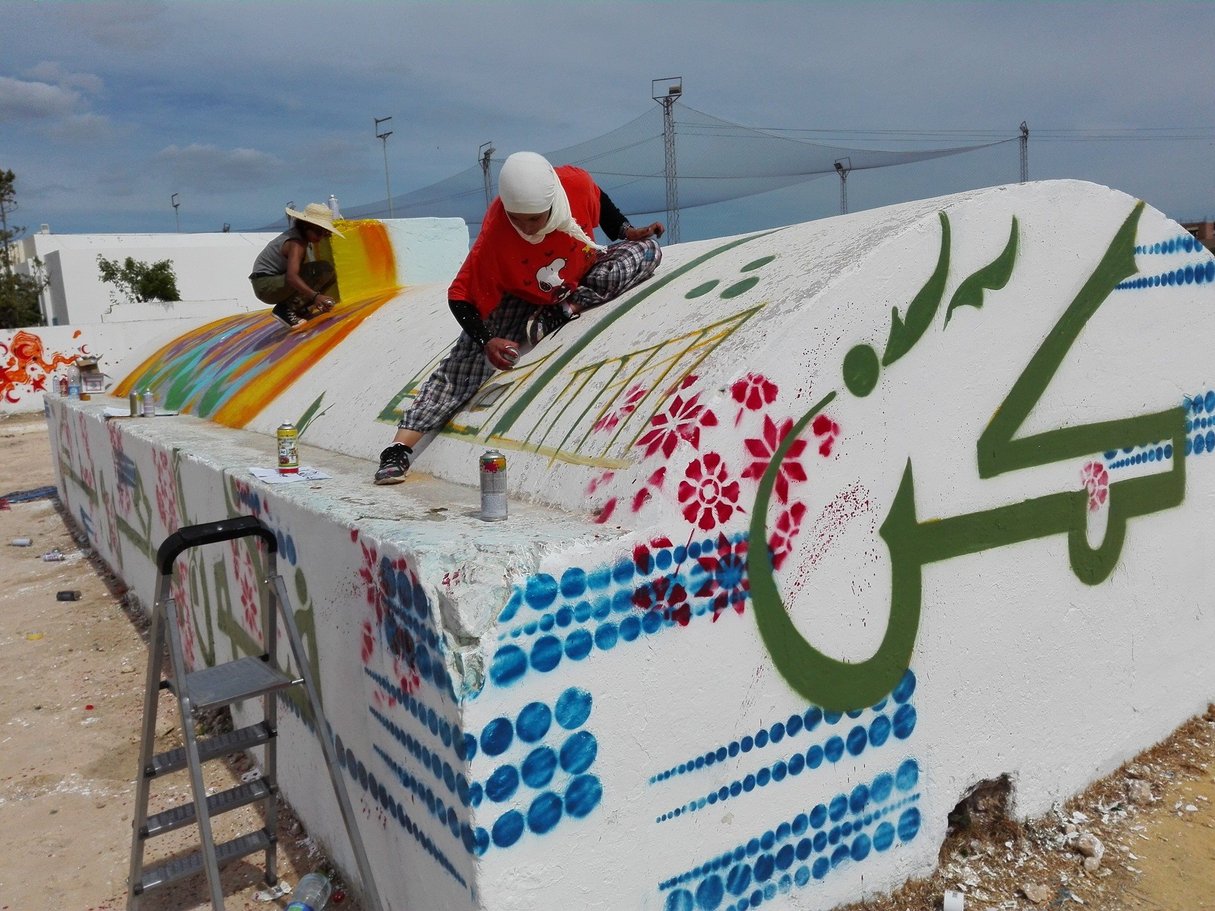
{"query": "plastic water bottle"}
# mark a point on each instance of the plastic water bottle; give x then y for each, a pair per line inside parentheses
(311, 894)
(73, 383)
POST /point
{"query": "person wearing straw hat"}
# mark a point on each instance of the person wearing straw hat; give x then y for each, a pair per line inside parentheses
(533, 268)
(288, 276)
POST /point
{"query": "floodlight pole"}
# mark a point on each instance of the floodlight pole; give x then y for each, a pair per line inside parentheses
(666, 92)
(842, 167)
(175, 202)
(1024, 152)
(383, 137)
(485, 155)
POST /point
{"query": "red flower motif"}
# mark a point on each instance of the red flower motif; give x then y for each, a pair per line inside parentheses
(1097, 481)
(826, 428)
(605, 511)
(613, 418)
(726, 582)
(682, 421)
(764, 448)
(708, 497)
(646, 493)
(754, 391)
(666, 595)
(780, 545)
(166, 491)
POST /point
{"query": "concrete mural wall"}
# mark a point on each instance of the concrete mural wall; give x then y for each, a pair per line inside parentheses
(810, 534)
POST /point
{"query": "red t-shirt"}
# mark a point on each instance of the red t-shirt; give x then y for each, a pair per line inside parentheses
(502, 262)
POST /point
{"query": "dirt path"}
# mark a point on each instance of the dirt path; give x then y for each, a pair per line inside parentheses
(71, 701)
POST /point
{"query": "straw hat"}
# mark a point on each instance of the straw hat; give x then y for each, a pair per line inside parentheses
(318, 214)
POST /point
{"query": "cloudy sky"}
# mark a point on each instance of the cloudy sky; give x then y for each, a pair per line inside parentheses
(107, 109)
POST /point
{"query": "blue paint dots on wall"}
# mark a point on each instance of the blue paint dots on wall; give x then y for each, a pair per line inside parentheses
(502, 784)
(573, 708)
(534, 722)
(507, 828)
(907, 775)
(680, 900)
(509, 664)
(538, 767)
(546, 653)
(583, 795)
(496, 737)
(541, 591)
(544, 813)
(578, 752)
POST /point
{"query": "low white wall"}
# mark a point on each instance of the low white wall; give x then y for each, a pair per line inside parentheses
(810, 534)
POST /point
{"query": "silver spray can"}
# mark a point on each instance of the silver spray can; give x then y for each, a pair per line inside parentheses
(136, 404)
(493, 486)
(149, 403)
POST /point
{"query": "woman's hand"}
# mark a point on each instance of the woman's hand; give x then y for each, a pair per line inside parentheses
(502, 353)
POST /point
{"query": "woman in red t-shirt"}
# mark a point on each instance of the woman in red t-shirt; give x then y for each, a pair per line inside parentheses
(533, 268)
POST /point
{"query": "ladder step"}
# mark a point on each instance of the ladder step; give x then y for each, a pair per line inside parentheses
(220, 745)
(221, 802)
(244, 678)
(180, 867)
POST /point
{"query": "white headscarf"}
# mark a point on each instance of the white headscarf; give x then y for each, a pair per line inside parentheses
(528, 185)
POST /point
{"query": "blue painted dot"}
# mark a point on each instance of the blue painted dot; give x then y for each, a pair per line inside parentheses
(583, 796)
(623, 571)
(909, 824)
(573, 583)
(879, 731)
(882, 786)
(578, 645)
(546, 653)
(907, 775)
(738, 879)
(510, 663)
(544, 813)
(883, 837)
(779, 770)
(904, 721)
(858, 799)
(1208, 401)
(797, 762)
(539, 766)
(814, 757)
(605, 636)
(838, 807)
(502, 784)
(858, 738)
(821, 867)
(507, 828)
(832, 717)
(860, 847)
(820, 841)
(764, 867)
(541, 591)
(651, 620)
(578, 752)
(761, 739)
(747, 743)
(680, 900)
(905, 687)
(534, 721)
(710, 893)
(762, 777)
(497, 736)
(777, 732)
(600, 577)
(813, 717)
(573, 708)
(834, 749)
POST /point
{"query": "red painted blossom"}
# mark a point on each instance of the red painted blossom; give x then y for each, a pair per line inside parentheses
(826, 428)
(627, 406)
(707, 494)
(682, 421)
(605, 511)
(762, 449)
(653, 484)
(726, 581)
(754, 391)
(166, 491)
(666, 595)
(1097, 481)
(788, 524)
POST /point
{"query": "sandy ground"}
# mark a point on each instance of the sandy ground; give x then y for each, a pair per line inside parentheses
(71, 700)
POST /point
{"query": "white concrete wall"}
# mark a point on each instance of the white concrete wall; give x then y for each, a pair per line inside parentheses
(810, 534)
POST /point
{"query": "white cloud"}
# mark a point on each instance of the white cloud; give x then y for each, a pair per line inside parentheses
(210, 168)
(54, 73)
(23, 100)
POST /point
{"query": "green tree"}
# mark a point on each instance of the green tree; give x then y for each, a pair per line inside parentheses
(19, 294)
(139, 282)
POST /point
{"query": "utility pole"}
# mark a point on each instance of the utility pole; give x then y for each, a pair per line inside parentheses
(485, 154)
(383, 137)
(176, 202)
(842, 167)
(666, 92)
(1024, 152)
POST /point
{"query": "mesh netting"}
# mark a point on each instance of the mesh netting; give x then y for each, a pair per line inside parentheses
(716, 161)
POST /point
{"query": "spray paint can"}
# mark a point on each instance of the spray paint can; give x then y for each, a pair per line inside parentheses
(149, 403)
(136, 404)
(333, 207)
(288, 449)
(493, 486)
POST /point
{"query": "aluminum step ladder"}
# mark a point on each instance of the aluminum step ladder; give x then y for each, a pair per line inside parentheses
(211, 688)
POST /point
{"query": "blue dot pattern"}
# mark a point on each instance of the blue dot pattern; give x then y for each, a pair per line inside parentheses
(1196, 272)
(1199, 437)
(543, 774)
(784, 751)
(557, 622)
(848, 828)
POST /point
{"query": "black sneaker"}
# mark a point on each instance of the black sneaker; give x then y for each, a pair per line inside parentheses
(547, 320)
(394, 463)
(285, 314)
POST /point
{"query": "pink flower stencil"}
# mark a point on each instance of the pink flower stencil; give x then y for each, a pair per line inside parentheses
(707, 494)
(754, 391)
(1097, 481)
(764, 448)
(664, 594)
(726, 582)
(788, 524)
(682, 421)
(613, 418)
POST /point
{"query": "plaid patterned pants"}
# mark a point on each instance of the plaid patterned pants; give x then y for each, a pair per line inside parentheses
(459, 375)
